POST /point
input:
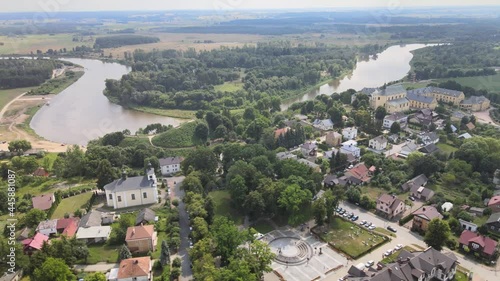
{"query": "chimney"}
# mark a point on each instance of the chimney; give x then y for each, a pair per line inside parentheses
(133, 231)
(136, 261)
(124, 175)
(423, 209)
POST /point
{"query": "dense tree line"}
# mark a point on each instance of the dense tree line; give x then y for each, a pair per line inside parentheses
(186, 79)
(19, 73)
(123, 40)
(455, 60)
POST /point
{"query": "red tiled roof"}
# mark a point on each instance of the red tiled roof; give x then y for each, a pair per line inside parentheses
(134, 267)
(40, 172)
(279, 132)
(140, 232)
(360, 172)
(43, 202)
(428, 212)
(68, 226)
(489, 245)
(494, 200)
(36, 242)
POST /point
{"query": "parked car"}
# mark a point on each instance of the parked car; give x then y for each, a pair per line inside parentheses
(355, 218)
(372, 227)
(367, 224)
(388, 252)
(411, 198)
(392, 228)
(338, 210)
(369, 263)
(399, 247)
(363, 222)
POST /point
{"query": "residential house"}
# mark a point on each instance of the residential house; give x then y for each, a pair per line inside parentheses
(422, 217)
(312, 165)
(429, 137)
(285, 155)
(34, 244)
(397, 117)
(281, 131)
(476, 211)
(447, 206)
(309, 149)
(424, 117)
(359, 172)
(429, 149)
(333, 139)
(470, 126)
(92, 218)
(426, 265)
(40, 172)
(324, 125)
(145, 216)
(493, 223)
(378, 143)
(94, 234)
(351, 158)
(25, 234)
(420, 101)
(475, 103)
(456, 116)
(43, 202)
(170, 165)
(465, 136)
(350, 133)
(141, 239)
(47, 227)
(421, 193)
(331, 153)
(134, 269)
(390, 205)
(483, 245)
(408, 149)
(392, 97)
(418, 181)
(109, 218)
(132, 191)
(333, 180)
(494, 204)
(351, 147)
(67, 227)
(468, 225)
(393, 138)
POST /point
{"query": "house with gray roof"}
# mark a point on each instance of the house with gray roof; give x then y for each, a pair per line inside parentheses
(493, 223)
(421, 192)
(407, 149)
(398, 117)
(285, 155)
(145, 216)
(475, 103)
(378, 143)
(170, 165)
(418, 100)
(426, 265)
(429, 137)
(92, 218)
(324, 125)
(132, 191)
(420, 180)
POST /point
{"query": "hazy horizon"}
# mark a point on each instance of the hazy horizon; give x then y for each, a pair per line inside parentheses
(53, 6)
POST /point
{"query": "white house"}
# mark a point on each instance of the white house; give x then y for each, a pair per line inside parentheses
(350, 133)
(351, 148)
(93, 234)
(325, 124)
(47, 227)
(378, 143)
(170, 165)
(428, 138)
(399, 117)
(132, 191)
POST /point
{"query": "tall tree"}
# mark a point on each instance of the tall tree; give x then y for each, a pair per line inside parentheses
(201, 132)
(53, 270)
(164, 254)
(319, 211)
(380, 113)
(227, 238)
(293, 199)
(437, 234)
(105, 173)
(19, 145)
(96, 276)
(395, 128)
(124, 253)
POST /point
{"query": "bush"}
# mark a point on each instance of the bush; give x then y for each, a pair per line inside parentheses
(406, 219)
(175, 202)
(177, 262)
(452, 244)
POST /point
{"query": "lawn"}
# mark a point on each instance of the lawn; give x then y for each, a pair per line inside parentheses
(222, 200)
(488, 83)
(385, 231)
(30, 43)
(229, 87)
(102, 253)
(175, 113)
(263, 227)
(177, 137)
(50, 156)
(393, 257)
(134, 141)
(460, 276)
(161, 236)
(446, 148)
(349, 237)
(70, 204)
(7, 95)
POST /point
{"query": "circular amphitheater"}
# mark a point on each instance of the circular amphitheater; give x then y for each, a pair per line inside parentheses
(291, 250)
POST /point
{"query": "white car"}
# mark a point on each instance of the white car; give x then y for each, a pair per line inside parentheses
(398, 247)
(372, 227)
(369, 263)
(258, 236)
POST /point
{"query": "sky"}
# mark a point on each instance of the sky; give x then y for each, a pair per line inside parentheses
(114, 5)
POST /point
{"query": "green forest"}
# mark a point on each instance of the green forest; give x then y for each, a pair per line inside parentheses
(186, 79)
(19, 73)
(123, 40)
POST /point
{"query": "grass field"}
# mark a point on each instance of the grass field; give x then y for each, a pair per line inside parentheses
(222, 200)
(7, 95)
(349, 237)
(57, 85)
(43, 42)
(229, 87)
(488, 83)
(134, 141)
(446, 148)
(70, 204)
(102, 253)
(51, 156)
(460, 276)
(182, 136)
(175, 113)
(161, 236)
(263, 227)
(393, 257)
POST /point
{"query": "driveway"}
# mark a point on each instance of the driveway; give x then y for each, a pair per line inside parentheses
(177, 193)
(98, 267)
(405, 237)
(396, 148)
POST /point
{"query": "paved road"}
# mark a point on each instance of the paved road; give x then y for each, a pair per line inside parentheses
(176, 192)
(406, 237)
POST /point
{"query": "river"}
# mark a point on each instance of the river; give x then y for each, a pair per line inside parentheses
(82, 113)
(390, 65)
